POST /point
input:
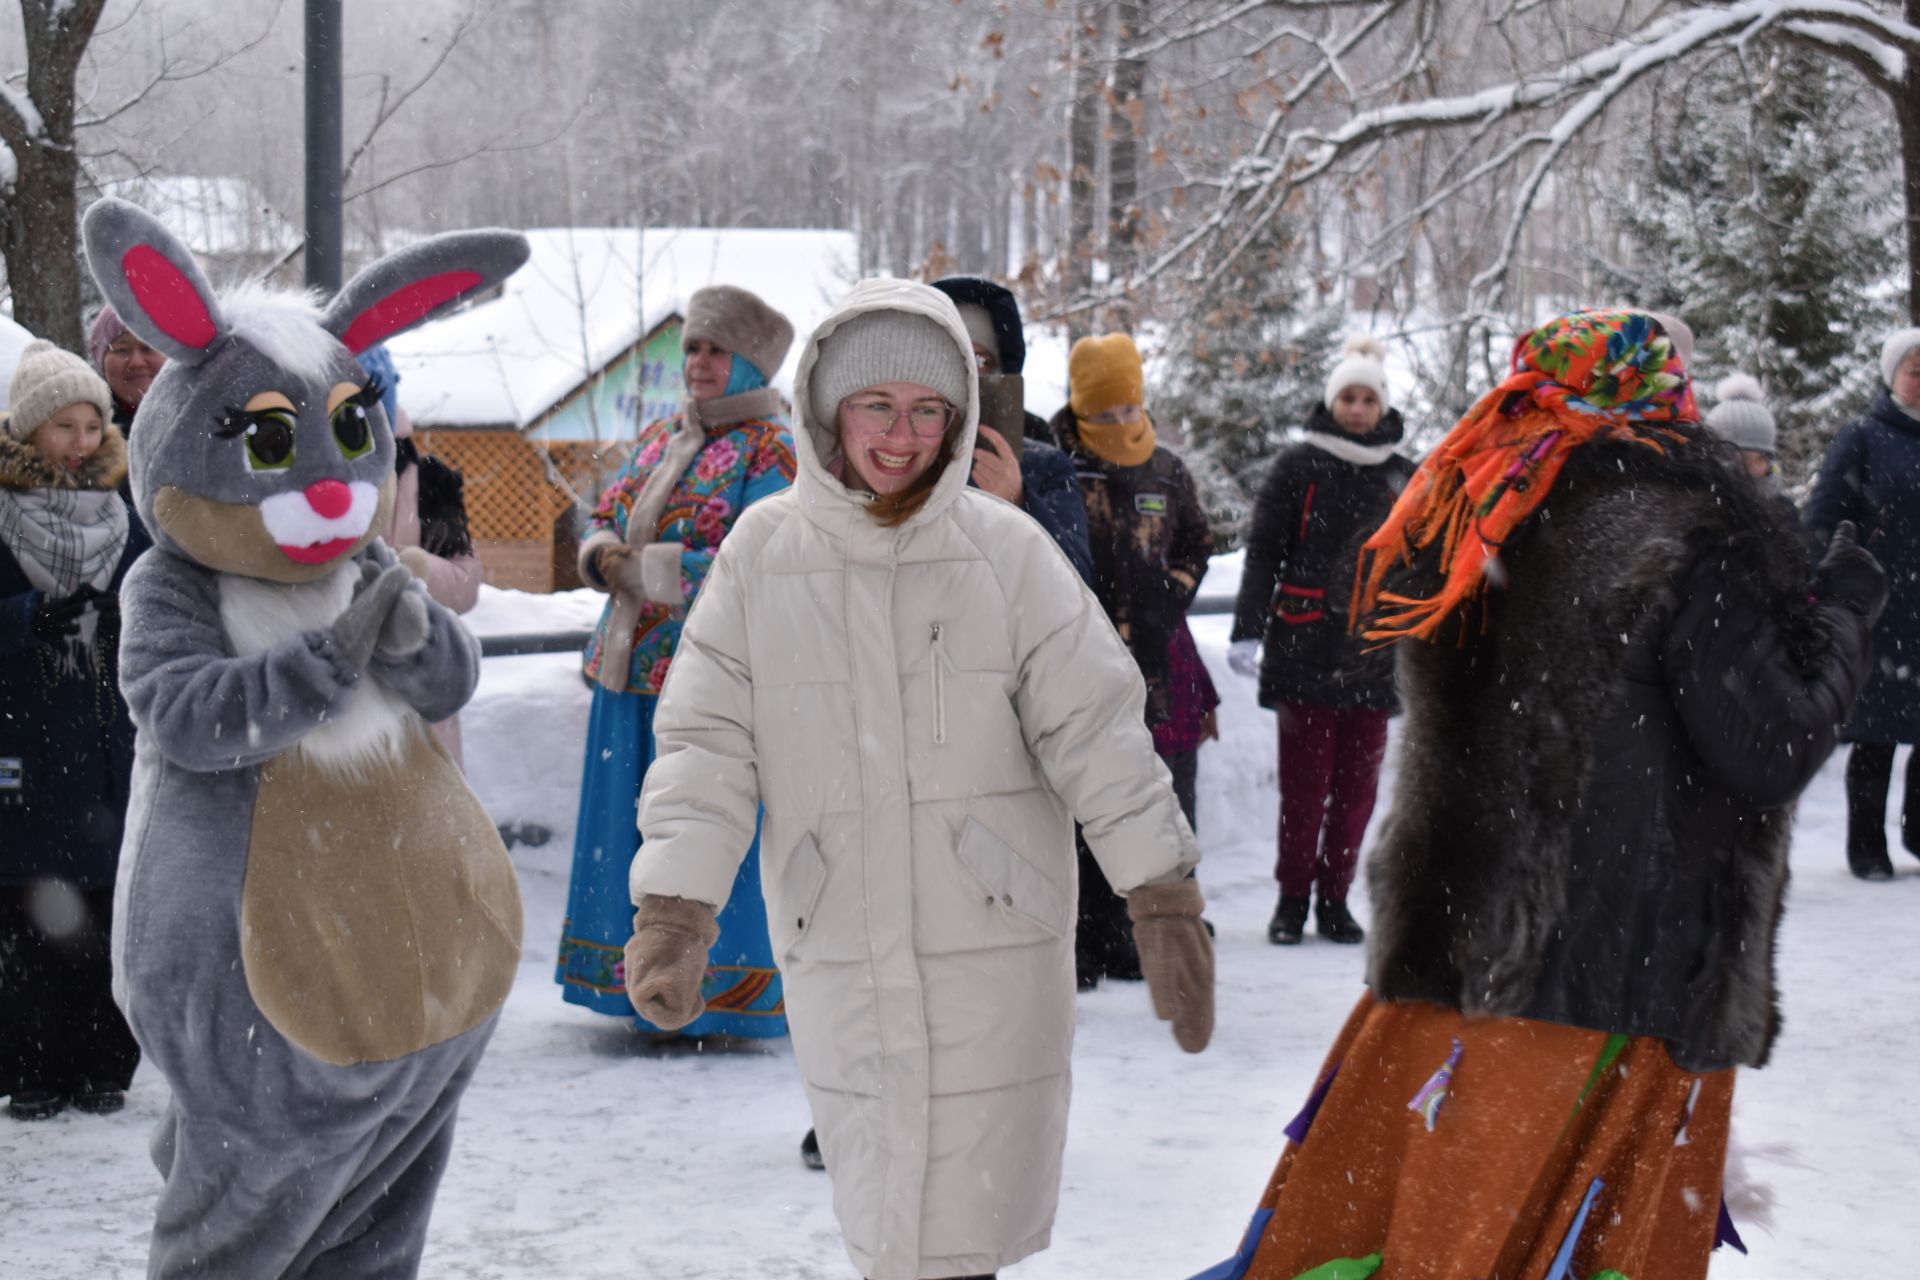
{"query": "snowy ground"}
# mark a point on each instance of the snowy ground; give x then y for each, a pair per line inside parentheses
(585, 1153)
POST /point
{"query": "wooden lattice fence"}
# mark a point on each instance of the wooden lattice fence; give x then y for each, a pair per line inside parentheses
(520, 519)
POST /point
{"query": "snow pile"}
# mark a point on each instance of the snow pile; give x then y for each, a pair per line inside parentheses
(531, 716)
(586, 296)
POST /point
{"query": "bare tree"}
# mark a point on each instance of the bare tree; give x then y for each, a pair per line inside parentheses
(39, 215)
(1123, 148)
(1542, 82)
(1083, 157)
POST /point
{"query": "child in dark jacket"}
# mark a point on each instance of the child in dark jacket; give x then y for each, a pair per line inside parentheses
(1331, 691)
(66, 743)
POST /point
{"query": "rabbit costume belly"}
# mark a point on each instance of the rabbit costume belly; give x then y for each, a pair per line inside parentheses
(316, 923)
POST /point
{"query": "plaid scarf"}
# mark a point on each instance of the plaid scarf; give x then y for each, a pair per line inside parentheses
(63, 538)
(1592, 375)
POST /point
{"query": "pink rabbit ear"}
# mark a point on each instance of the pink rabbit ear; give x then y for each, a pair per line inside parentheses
(406, 307)
(419, 282)
(152, 281)
(168, 297)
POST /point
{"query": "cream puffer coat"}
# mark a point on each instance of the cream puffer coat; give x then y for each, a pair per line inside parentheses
(923, 711)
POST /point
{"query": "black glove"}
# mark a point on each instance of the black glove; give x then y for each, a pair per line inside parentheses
(1850, 576)
(57, 619)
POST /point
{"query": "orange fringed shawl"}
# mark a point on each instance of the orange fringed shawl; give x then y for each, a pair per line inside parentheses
(1592, 375)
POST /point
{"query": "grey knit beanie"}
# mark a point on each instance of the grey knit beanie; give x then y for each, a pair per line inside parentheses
(885, 346)
(979, 325)
(47, 380)
(739, 321)
(1741, 417)
(1899, 346)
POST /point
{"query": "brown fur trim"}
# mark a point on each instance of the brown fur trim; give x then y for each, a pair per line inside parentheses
(24, 467)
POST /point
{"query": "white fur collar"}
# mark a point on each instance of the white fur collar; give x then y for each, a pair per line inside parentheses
(1360, 455)
(372, 725)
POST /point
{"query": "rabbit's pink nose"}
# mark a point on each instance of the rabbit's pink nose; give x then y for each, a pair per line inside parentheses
(330, 499)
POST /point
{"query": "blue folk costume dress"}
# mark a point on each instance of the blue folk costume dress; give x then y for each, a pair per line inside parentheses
(746, 455)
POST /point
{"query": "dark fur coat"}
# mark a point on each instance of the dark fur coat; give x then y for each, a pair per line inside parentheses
(1592, 813)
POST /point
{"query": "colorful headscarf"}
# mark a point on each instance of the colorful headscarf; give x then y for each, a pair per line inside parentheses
(1592, 375)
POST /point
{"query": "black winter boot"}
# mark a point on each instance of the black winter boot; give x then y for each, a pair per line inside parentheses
(30, 1102)
(1910, 808)
(810, 1151)
(1869, 768)
(98, 1099)
(1336, 924)
(1289, 921)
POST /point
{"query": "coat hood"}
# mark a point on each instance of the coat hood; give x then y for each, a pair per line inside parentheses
(820, 493)
(999, 303)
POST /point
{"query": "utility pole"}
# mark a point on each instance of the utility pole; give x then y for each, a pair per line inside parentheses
(324, 142)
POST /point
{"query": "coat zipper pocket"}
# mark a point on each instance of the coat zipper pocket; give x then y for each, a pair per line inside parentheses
(942, 668)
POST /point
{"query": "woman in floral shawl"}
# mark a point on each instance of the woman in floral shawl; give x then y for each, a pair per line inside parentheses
(1617, 678)
(654, 535)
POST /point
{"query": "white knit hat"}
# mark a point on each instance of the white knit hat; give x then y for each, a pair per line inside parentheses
(1362, 364)
(885, 346)
(1741, 417)
(47, 380)
(1901, 344)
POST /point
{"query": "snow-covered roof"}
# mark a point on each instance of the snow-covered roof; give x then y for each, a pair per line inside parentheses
(215, 217)
(588, 294)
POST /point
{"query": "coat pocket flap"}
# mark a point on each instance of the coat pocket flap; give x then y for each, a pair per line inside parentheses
(804, 876)
(1011, 881)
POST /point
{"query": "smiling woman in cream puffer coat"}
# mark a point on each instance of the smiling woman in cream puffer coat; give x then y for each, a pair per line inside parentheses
(912, 679)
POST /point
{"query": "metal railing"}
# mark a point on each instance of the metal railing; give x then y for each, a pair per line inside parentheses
(527, 643)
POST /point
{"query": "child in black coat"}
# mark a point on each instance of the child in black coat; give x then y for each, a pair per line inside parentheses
(1332, 693)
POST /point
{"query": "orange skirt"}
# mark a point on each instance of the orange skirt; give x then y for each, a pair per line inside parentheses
(1549, 1145)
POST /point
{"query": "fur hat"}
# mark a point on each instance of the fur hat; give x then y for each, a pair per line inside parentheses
(884, 346)
(1104, 373)
(1362, 364)
(1741, 417)
(47, 380)
(1901, 344)
(743, 324)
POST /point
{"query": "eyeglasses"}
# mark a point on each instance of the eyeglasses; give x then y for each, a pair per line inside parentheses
(876, 418)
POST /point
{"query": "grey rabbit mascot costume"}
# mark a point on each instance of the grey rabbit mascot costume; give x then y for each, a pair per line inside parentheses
(315, 920)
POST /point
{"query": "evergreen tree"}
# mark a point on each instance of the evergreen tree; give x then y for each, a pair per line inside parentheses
(1768, 220)
(1249, 370)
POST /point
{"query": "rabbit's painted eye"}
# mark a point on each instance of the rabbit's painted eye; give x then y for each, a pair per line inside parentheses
(352, 430)
(269, 437)
(266, 431)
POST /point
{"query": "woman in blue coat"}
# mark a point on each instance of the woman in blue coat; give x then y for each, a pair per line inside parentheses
(1871, 476)
(655, 534)
(66, 744)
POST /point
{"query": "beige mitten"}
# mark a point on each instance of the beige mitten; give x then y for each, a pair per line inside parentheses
(667, 959)
(418, 560)
(1176, 958)
(609, 558)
